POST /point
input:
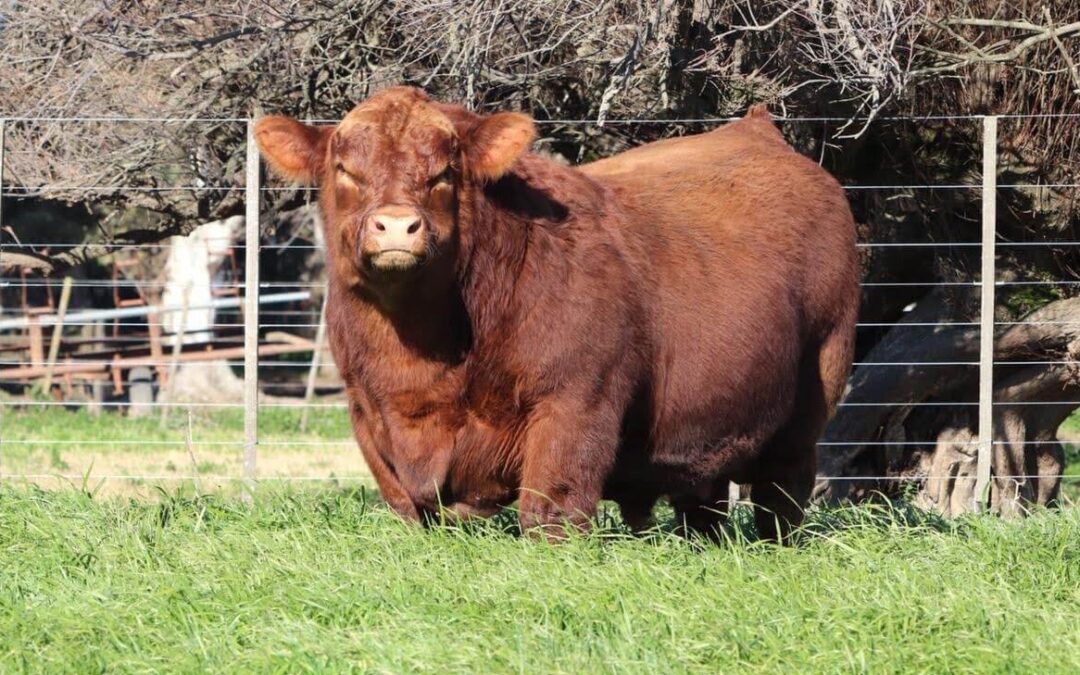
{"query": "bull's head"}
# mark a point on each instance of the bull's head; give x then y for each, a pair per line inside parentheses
(391, 177)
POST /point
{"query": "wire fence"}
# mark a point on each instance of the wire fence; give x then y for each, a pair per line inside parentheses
(90, 355)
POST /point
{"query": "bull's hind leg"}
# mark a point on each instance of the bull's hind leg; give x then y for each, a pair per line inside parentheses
(636, 510)
(695, 515)
(784, 476)
(781, 492)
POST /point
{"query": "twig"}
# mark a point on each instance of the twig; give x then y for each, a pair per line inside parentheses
(1054, 34)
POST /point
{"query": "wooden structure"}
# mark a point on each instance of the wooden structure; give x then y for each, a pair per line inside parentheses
(85, 362)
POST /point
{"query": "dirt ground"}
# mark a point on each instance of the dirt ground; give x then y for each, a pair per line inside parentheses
(140, 471)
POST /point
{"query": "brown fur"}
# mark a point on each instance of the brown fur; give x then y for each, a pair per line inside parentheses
(656, 323)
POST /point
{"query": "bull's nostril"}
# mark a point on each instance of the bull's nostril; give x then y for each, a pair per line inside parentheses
(380, 227)
(414, 227)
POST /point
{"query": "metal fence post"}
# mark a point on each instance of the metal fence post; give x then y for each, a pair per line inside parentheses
(251, 310)
(986, 314)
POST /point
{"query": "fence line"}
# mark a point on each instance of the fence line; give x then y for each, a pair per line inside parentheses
(32, 403)
(860, 325)
(676, 120)
(164, 244)
(34, 191)
(317, 285)
(367, 478)
(132, 283)
(97, 283)
(251, 308)
(253, 190)
(351, 442)
(68, 363)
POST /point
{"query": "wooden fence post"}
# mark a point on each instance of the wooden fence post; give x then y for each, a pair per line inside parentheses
(251, 310)
(57, 334)
(986, 315)
(174, 361)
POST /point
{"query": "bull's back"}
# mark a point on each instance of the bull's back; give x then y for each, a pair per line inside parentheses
(751, 250)
(738, 210)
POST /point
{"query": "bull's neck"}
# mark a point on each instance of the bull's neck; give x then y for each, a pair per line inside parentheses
(520, 227)
(430, 319)
(496, 260)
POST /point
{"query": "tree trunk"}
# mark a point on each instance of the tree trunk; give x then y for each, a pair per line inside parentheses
(925, 440)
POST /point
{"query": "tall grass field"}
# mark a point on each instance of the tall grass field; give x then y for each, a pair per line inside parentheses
(317, 580)
(164, 567)
(63, 447)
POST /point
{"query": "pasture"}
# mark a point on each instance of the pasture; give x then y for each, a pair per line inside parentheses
(308, 580)
(63, 447)
(622, 249)
(76, 448)
(139, 575)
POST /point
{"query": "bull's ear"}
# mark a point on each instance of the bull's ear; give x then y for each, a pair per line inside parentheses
(496, 143)
(292, 149)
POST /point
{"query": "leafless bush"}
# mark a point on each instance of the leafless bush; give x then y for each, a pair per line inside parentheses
(866, 48)
(562, 59)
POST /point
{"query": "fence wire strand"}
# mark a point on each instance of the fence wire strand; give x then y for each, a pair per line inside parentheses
(278, 319)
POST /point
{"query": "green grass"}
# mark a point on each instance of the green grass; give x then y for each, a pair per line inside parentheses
(57, 447)
(209, 425)
(315, 580)
(1071, 425)
(331, 581)
(1070, 428)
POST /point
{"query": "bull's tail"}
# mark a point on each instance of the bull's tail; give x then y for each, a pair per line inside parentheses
(835, 356)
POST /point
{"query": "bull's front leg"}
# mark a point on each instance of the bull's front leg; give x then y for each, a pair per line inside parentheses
(393, 493)
(568, 452)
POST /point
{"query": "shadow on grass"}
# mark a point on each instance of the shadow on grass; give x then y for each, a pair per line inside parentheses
(355, 508)
(822, 522)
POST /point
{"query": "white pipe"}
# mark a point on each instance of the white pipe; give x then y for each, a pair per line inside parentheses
(128, 312)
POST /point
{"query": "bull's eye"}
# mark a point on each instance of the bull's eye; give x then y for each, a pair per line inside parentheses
(446, 177)
(342, 171)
